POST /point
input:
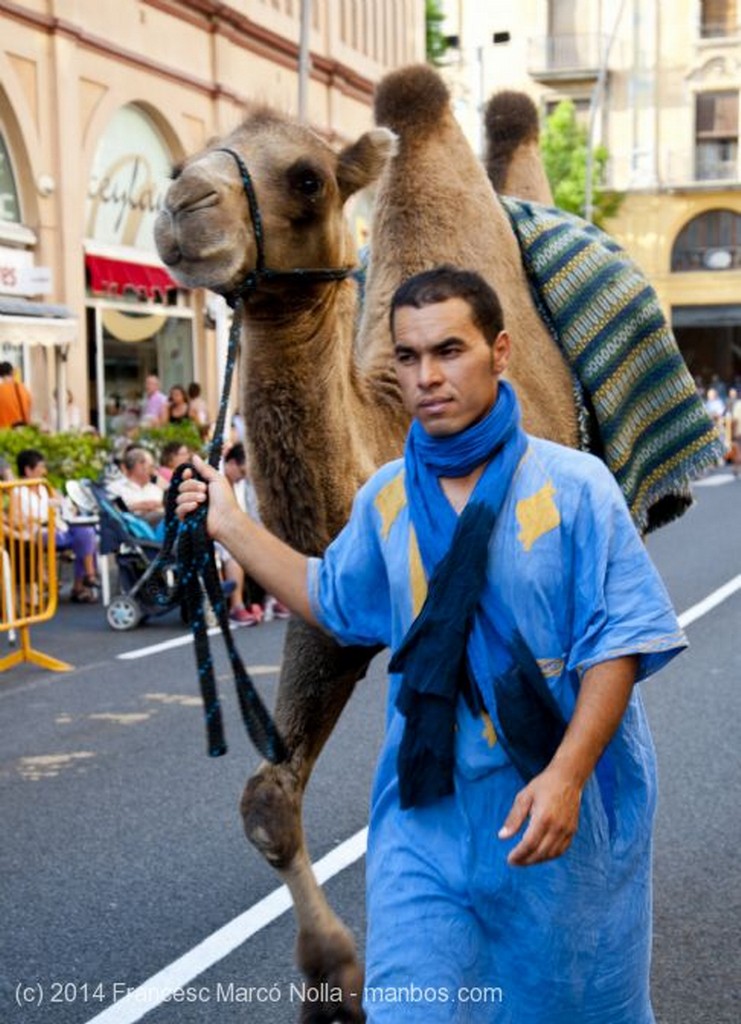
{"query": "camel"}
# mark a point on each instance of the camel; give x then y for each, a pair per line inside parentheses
(321, 402)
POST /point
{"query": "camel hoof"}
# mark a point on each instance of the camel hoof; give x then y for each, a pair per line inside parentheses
(270, 809)
(333, 991)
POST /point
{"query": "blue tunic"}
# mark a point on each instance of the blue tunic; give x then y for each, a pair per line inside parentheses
(454, 933)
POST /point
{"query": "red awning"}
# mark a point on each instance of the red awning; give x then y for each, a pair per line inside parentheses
(107, 275)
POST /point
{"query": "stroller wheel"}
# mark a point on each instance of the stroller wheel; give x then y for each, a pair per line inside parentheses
(123, 613)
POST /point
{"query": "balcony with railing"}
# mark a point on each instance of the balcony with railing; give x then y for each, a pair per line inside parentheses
(701, 167)
(568, 57)
(716, 161)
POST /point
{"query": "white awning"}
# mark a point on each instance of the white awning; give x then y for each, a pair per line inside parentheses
(36, 323)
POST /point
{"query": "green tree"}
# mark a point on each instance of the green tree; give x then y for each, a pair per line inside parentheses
(436, 44)
(563, 144)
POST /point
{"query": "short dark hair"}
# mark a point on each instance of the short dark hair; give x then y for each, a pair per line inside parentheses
(170, 450)
(236, 454)
(194, 390)
(448, 282)
(6, 368)
(29, 458)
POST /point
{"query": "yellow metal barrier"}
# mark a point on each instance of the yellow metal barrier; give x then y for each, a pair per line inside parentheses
(28, 581)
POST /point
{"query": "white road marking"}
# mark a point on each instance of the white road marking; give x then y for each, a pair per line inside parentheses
(159, 987)
(177, 975)
(717, 480)
(711, 601)
(166, 645)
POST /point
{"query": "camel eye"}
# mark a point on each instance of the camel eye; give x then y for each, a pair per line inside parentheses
(304, 179)
(310, 184)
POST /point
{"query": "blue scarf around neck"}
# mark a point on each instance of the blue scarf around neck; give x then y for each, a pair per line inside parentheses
(498, 440)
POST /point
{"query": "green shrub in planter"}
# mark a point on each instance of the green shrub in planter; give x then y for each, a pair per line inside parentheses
(155, 438)
(68, 456)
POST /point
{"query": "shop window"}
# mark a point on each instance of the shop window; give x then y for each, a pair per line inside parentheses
(716, 136)
(718, 18)
(10, 209)
(711, 241)
(135, 345)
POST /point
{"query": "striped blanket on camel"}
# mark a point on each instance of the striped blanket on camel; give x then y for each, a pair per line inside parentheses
(653, 431)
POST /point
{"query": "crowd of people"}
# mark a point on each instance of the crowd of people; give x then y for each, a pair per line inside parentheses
(723, 405)
(138, 483)
(179, 405)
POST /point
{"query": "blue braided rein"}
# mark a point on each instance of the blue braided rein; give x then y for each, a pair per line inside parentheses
(198, 579)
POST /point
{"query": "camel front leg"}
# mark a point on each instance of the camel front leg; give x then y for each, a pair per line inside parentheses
(316, 681)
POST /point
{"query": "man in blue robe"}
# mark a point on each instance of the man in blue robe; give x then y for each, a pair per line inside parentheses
(509, 849)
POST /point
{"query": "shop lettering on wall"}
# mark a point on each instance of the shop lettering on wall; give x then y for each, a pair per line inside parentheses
(8, 278)
(127, 198)
(20, 276)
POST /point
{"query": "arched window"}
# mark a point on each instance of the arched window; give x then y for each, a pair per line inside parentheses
(128, 181)
(710, 241)
(10, 208)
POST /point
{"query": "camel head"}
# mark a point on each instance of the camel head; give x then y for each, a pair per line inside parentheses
(205, 233)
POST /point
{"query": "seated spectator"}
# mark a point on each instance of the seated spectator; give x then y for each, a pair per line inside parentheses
(243, 614)
(173, 454)
(33, 507)
(137, 487)
(249, 602)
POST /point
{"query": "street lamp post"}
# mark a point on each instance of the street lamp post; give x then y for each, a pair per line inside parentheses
(304, 61)
(597, 95)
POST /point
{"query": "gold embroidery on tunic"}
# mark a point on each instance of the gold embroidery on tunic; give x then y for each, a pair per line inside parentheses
(389, 501)
(489, 733)
(537, 515)
(551, 667)
(417, 578)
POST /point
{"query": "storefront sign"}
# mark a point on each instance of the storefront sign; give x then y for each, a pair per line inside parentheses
(19, 276)
(130, 175)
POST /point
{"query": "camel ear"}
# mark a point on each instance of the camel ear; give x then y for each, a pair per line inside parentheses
(360, 164)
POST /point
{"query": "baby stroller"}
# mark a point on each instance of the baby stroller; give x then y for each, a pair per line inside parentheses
(147, 588)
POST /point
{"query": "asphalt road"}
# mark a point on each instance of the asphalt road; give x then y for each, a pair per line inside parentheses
(122, 848)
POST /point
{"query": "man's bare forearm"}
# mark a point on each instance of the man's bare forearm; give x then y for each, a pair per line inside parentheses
(552, 799)
(603, 697)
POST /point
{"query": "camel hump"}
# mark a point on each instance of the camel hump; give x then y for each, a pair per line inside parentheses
(412, 99)
(511, 120)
